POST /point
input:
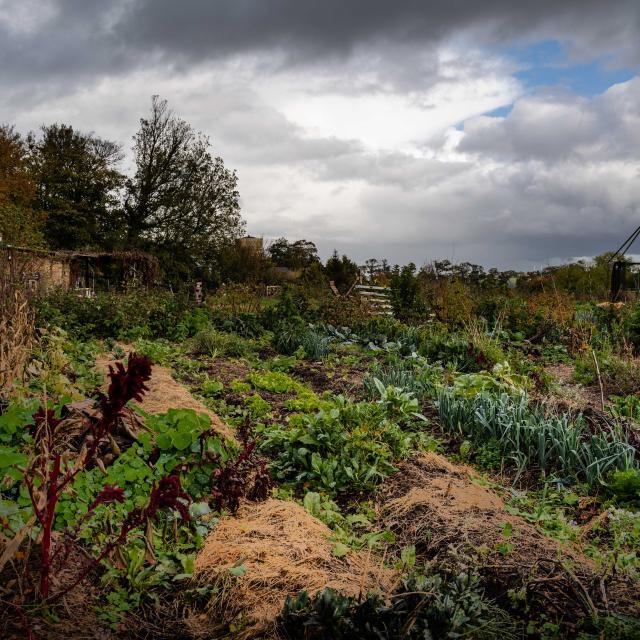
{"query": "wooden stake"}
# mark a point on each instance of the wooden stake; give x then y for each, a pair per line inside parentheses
(599, 379)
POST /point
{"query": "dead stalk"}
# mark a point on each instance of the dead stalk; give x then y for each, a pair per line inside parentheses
(595, 359)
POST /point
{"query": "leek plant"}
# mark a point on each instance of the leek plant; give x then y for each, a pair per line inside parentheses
(531, 438)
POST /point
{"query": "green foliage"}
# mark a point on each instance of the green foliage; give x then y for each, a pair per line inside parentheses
(350, 446)
(500, 380)
(621, 530)
(239, 386)
(406, 296)
(470, 351)
(19, 223)
(211, 388)
(257, 406)
(160, 351)
(632, 327)
(212, 343)
(126, 316)
(315, 345)
(274, 381)
(435, 605)
(181, 437)
(529, 438)
(61, 367)
(181, 199)
(353, 531)
(420, 379)
(306, 401)
(342, 271)
(288, 337)
(619, 372)
(77, 187)
(625, 407)
(625, 488)
(293, 255)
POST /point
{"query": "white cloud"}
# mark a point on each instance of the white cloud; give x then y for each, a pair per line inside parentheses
(363, 154)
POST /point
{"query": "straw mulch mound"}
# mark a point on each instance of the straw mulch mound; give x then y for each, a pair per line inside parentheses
(166, 393)
(285, 550)
(435, 505)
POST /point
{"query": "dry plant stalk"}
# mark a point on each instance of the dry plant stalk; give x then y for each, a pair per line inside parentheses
(16, 320)
(595, 359)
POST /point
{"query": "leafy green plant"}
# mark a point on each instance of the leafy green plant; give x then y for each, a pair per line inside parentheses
(288, 337)
(315, 345)
(274, 381)
(239, 386)
(625, 487)
(212, 343)
(435, 605)
(160, 351)
(529, 438)
(352, 531)
(257, 406)
(621, 530)
(500, 380)
(137, 314)
(420, 379)
(619, 372)
(211, 388)
(350, 446)
(625, 407)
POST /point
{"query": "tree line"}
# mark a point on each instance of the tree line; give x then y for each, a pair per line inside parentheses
(63, 189)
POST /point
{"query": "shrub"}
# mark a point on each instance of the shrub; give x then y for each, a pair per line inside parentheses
(139, 314)
(451, 301)
(344, 312)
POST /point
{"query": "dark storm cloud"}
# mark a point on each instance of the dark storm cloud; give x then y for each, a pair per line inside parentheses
(92, 36)
(559, 176)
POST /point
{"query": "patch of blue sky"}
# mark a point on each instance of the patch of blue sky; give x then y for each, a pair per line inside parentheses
(545, 64)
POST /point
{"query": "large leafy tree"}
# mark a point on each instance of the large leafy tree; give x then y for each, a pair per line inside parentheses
(182, 202)
(78, 186)
(20, 224)
(293, 255)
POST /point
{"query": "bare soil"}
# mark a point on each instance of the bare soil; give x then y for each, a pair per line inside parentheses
(573, 396)
(339, 380)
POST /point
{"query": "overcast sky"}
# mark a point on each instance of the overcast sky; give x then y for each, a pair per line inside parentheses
(500, 132)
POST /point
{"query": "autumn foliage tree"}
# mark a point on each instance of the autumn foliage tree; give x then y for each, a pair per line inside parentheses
(19, 222)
